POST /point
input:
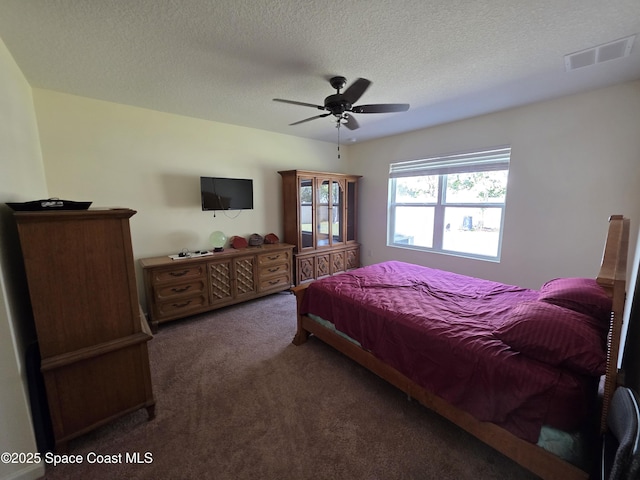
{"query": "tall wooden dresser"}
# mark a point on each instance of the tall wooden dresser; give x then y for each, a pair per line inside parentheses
(320, 215)
(91, 332)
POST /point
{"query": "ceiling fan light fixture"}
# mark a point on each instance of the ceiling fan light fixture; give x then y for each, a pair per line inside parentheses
(339, 119)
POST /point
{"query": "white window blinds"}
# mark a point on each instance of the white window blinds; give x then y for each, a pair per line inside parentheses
(483, 161)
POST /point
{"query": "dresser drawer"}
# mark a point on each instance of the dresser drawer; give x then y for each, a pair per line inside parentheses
(180, 307)
(177, 290)
(273, 270)
(277, 283)
(273, 258)
(185, 272)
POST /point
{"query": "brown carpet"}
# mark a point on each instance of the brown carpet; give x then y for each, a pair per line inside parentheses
(236, 400)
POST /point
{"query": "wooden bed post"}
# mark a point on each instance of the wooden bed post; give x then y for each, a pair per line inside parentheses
(301, 334)
(612, 277)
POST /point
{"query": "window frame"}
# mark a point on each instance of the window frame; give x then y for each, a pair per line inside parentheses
(494, 159)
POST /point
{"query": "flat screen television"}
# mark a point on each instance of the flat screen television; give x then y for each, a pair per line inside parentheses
(226, 193)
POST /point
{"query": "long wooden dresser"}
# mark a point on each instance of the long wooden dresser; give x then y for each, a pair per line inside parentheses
(177, 288)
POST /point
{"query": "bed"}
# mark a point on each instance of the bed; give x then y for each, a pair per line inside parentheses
(515, 367)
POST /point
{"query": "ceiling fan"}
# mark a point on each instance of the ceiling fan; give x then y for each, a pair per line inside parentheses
(341, 105)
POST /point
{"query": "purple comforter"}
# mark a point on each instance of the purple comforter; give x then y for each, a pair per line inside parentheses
(436, 328)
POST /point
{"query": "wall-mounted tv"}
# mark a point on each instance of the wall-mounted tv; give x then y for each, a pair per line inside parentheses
(226, 193)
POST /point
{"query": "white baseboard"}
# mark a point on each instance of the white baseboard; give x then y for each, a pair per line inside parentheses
(28, 472)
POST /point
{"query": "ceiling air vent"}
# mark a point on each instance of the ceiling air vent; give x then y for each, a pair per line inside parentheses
(601, 53)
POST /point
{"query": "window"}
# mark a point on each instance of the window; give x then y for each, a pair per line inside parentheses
(452, 204)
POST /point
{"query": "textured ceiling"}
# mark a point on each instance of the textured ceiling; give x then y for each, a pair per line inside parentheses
(225, 60)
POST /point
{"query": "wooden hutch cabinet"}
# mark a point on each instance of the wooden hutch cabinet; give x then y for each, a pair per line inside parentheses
(320, 215)
(91, 332)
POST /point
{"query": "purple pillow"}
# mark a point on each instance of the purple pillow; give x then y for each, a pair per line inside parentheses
(582, 295)
(556, 336)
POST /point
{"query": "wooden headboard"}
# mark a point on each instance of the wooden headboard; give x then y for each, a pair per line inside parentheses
(613, 277)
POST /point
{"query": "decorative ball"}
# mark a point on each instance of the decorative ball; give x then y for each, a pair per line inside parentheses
(218, 239)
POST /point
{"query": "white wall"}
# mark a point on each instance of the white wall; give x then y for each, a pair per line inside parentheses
(575, 161)
(21, 179)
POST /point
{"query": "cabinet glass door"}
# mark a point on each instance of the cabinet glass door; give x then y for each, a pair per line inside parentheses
(322, 212)
(329, 213)
(306, 213)
(351, 210)
(337, 213)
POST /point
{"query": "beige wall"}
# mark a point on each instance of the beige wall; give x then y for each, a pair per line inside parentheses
(21, 178)
(150, 161)
(575, 161)
(117, 155)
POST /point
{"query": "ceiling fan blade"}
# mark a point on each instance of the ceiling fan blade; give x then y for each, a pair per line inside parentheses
(381, 108)
(351, 122)
(310, 118)
(355, 90)
(303, 104)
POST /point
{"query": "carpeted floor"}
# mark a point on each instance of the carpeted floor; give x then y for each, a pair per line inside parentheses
(237, 401)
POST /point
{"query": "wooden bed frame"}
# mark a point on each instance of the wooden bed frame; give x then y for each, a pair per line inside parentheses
(612, 277)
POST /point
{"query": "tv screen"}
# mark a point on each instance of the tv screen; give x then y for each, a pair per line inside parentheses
(226, 193)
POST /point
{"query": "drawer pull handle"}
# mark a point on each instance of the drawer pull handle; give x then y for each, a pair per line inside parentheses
(180, 290)
(182, 305)
(274, 257)
(274, 282)
(178, 274)
(274, 269)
